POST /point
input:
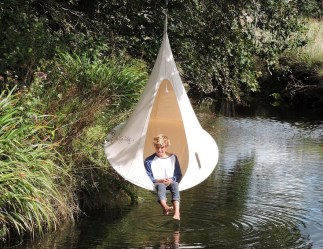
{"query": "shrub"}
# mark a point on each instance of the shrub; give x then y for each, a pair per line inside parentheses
(32, 173)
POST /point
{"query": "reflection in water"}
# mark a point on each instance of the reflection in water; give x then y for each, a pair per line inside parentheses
(266, 192)
(171, 239)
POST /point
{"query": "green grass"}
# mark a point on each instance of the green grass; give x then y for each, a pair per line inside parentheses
(300, 73)
(32, 174)
(314, 48)
(309, 58)
(88, 95)
(120, 80)
(51, 141)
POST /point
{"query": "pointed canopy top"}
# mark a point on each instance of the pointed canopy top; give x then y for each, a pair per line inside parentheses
(164, 107)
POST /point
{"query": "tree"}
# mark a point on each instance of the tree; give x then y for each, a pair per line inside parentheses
(33, 31)
(219, 45)
(225, 41)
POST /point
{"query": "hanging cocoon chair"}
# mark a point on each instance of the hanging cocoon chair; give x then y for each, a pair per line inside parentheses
(164, 108)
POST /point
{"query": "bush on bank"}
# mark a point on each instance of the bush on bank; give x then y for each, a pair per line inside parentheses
(51, 141)
(89, 94)
(298, 79)
(35, 184)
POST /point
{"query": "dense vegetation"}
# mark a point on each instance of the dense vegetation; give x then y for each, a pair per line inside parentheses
(51, 138)
(298, 78)
(219, 45)
(33, 178)
(72, 70)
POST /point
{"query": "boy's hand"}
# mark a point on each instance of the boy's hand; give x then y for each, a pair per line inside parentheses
(167, 181)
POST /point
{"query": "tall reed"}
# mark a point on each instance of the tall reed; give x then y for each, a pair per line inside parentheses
(88, 94)
(120, 79)
(32, 174)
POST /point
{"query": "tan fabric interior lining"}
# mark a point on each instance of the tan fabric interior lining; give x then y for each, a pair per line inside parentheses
(166, 118)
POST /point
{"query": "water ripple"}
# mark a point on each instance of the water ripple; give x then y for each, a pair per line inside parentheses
(266, 192)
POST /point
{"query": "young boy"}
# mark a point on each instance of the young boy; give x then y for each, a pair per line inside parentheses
(164, 171)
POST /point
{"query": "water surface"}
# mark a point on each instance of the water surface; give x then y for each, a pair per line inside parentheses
(266, 192)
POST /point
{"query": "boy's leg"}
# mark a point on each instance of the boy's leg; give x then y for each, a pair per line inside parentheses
(176, 215)
(161, 193)
(175, 199)
(174, 189)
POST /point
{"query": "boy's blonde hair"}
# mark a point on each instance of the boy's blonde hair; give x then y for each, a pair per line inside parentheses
(161, 140)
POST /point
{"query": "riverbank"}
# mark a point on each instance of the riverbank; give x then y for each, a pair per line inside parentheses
(53, 168)
(298, 78)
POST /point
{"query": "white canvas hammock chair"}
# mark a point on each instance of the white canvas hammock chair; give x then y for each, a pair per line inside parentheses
(164, 108)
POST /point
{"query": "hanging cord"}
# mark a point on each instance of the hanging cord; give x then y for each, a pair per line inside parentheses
(165, 32)
(166, 15)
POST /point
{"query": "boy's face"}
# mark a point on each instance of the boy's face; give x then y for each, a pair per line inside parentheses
(160, 150)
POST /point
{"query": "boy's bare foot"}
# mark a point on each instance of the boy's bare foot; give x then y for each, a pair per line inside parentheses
(176, 216)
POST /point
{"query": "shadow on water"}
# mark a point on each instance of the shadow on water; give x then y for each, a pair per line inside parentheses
(86, 233)
(263, 110)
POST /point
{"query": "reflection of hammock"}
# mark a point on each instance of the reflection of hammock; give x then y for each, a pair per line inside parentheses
(163, 108)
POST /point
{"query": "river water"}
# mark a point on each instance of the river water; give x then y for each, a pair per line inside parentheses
(266, 192)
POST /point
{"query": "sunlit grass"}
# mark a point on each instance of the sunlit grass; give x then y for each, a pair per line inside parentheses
(88, 95)
(314, 48)
(32, 175)
(306, 62)
(51, 141)
(122, 79)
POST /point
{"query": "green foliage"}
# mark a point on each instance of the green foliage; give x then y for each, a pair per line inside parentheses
(310, 8)
(218, 45)
(88, 95)
(32, 174)
(25, 39)
(93, 74)
(314, 47)
(69, 108)
(32, 31)
(298, 77)
(215, 43)
(229, 39)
